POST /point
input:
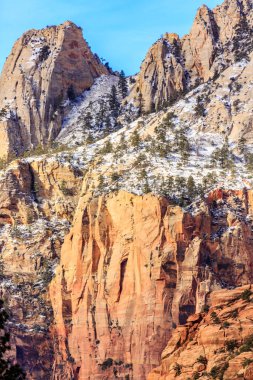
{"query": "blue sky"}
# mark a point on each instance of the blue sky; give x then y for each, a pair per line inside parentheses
(121, 31)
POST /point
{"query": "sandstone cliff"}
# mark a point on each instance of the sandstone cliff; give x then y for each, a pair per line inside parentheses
(35, 214)
(172, 66)
(217, 344)
(130, 270)
(45, 68)
(112, 249)
(138, 268)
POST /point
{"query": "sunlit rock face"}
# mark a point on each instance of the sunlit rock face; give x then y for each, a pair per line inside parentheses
(45, 68)
(215, 342)
(172, 65)
(134, 267)
(104, 275)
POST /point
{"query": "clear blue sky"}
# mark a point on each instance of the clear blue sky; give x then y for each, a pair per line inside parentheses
(121, 31)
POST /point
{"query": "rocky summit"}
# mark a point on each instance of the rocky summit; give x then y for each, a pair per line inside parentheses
(126, 205)
(45, 68)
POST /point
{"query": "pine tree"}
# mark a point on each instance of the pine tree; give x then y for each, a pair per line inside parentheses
(163, 150)
(215, 157)
(135, 139)
(168, 187)
(191, 188)
(123, 143)
(168, 120)
(123, 84)
(242, 33)
(185, 155)
(200, 108)
(87, 119)
(101, 182)
(101, 115)
(160, 133)
(209, 180)
(107, 65)
(113, 102)
(115, 177)
(180, 184)
(89, 139)
(108, 124)
(249, 161)
(146, 188)
(182, 145)
(107, 148)
(241, 145)
(180, 188)
(141, 105)
(142, 176)
(8, 371)
(224, 155)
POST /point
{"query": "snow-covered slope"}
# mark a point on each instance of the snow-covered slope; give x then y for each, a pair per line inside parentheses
(160, 151)
(91, 114)
(202, 141)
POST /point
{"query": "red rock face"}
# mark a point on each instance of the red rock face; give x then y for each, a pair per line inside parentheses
(217, 343)
(132, 268)
(31, 236)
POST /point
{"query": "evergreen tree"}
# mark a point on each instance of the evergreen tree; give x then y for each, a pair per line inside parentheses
(152, 107)
(123, 143)
(168, 120)
(141, 105)
(3, 113)
(123, 84)
(241, 145)
(162, 149)
(101, 182)
(115, 177)
(180, 188)
(87, 119)
(113, 102)
(142, 176)
(200, 108)
(180, 184)
(182, 145)
(135, 139)
(146, 188)
(215, 157)
(107, 65)
(249, 161)
(108, 124)
(200, 190)
(101, 115)
(209, 180)
(107, 148)
(8, 371)
(160, 133)
(89, 139)
(242, 33)
(141, 161)
(168, 187)
(191, 188)
(224, 155)
(185, 155)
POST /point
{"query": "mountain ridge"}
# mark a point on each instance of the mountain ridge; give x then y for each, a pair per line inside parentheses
(120, 226)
